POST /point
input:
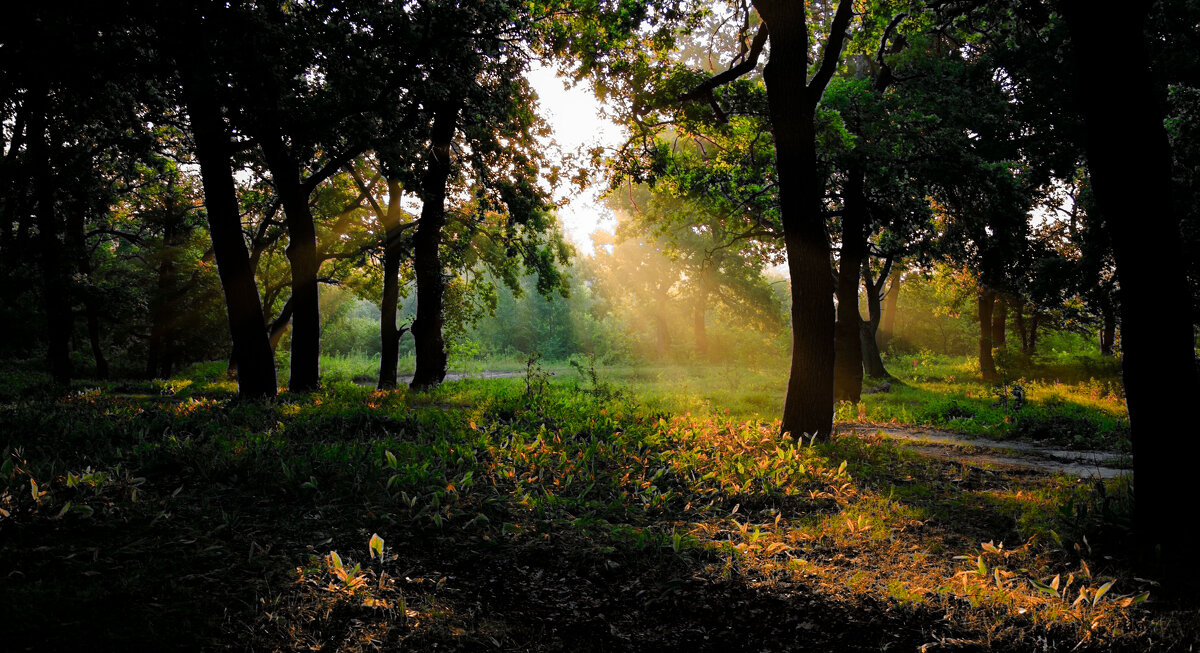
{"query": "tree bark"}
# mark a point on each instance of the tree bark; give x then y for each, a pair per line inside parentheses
(1108, 327)
(305, 362)
(1019, 324)
(255, 363)
(872, 357)
(1000, 323)
(808, 405)
(1035, 319)
(891, 305)
(427, 261)
(987, 365)
(847, 337)
(55, 285)
(1130, 164)
(699, 312)
(393, 254)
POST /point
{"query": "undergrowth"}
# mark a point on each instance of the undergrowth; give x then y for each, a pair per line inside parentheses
(536, 513)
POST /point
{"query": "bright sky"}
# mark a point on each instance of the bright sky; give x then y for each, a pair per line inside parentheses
(573, 115)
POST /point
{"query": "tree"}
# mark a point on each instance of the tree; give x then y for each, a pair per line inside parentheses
(1130, 163)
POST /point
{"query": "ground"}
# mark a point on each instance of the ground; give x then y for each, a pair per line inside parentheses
(531, 514)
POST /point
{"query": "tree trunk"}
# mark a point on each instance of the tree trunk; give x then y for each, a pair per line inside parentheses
(1000, 323)
(847, 336)
(77, 251)
(662, 334)
(305, 366)
(1108, 327)
(1035, 319)
(699, 310)
(1019, 324)
(393, 254)
(891, 305)
(872, 357)
(1130, 164)
(427, 260)
(987, 366)
(808, 405)
(55, 284)
(255, 363)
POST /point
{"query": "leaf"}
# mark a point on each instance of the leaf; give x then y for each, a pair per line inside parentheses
(335, 559)
(1054, 583)
(375, 544)
(391, 460)
(1102, 591)
(980, 568)
(1044, 588)
(1141, 597)
(841, 468)
(989, 547)
(776, 547)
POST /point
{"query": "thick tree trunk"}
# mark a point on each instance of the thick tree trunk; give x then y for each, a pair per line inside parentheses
(808, 405)
(393, 254)
(847, 336)
(1000, 323)
(255, 363)
(987, 366)
(55, 285)
(1130, 164)
(305, 366)
(427, 261)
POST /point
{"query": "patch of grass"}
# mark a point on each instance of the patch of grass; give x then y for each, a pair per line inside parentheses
(511, 514)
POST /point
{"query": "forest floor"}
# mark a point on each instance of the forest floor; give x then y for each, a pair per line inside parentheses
(542, 515)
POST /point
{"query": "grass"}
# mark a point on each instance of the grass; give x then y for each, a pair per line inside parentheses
(576, 511)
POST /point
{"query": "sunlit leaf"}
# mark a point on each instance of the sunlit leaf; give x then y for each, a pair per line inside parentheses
(375, 544)
(1102, 591)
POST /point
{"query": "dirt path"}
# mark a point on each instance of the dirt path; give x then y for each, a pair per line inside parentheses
(980, 451)
(458, 376)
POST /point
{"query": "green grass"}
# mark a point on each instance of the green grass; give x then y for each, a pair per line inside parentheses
(630, 490)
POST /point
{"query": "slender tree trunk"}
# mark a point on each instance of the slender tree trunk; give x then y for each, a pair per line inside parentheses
(1108, 327)
(1035, 319)
(1019, 324)
(279, 325)
(872, 357)
(808, 406)
(891, 305)
(55, 275)
(987, 366)
(1130, 164)
(77, 251)
(305, 368)
(255, 363)
(427, 260)
(393, 254)
(699, 312)
(847, 337)
(662, 335)
(1000, 323)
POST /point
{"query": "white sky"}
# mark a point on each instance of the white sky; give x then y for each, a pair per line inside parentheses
(574, 117)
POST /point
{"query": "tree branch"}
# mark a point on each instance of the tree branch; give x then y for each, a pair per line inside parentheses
(705, 89)
(833, 50)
